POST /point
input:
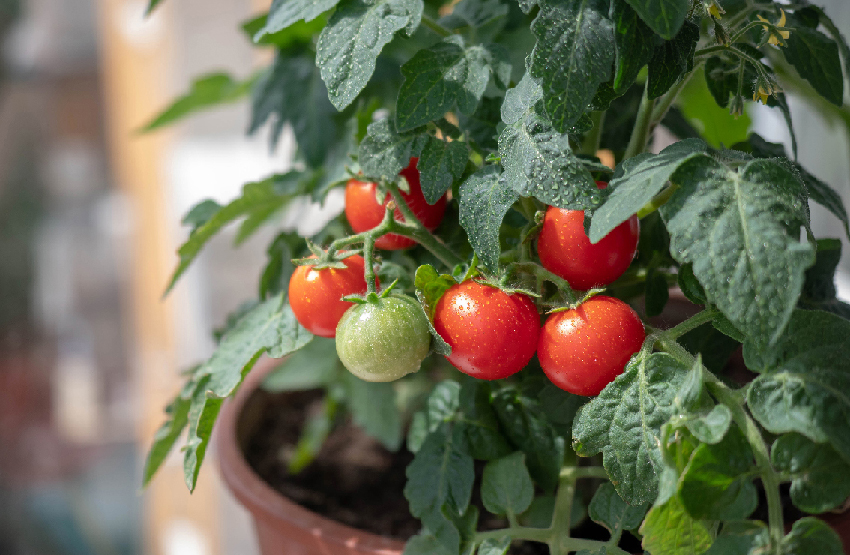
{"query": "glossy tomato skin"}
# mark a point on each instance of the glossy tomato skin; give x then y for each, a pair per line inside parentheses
(383, 340)
(363, 211)
(564, 248)
(492, 334)
(584, 349)
(316, 295)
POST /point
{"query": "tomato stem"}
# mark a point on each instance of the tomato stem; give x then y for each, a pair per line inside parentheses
(691, 323)
(540, 272)
(643, 126)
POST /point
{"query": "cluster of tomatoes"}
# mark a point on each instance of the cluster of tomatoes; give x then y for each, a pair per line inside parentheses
(492, 333)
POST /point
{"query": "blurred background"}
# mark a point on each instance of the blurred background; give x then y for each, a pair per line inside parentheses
(89, 223)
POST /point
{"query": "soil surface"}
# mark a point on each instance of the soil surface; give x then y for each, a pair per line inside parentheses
(354, 479)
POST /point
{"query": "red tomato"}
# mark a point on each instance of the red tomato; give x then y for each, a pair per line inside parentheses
(583, 350)
(364, 212)
(316, 295)
(565, 249)
(492, 334)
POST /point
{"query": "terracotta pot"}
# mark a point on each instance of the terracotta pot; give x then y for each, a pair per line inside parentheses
(283, 527)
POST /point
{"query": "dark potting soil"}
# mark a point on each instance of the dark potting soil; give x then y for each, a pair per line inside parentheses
(353, 480)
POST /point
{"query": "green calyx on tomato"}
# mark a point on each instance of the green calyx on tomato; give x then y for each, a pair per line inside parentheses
(582, 350)
(364, 211)
(492, 334)
(565, 250)
(316, 294)
(384, 339)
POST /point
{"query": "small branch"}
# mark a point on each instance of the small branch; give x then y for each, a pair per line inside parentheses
(593, 139)
(643, 126)
(691, 323)
(436, 27)
(660, 110)
(579, 472)
(542, 273)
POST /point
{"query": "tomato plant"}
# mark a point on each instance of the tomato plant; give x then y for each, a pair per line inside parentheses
(583, 349)
(492, 334)
(383, 339)
(315, 294)
(565, 249)
(364, 212)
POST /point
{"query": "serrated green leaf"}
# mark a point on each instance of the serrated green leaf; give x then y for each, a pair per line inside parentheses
(525, 425)
(430, 286)
(441, 163)
(255, 196)
(291, 91)
(316, 365)
(279, 267)
(710, 428)
(640, 179)
(521, 100)
(665, 17)
(744, 250)
(384, 151)
(689, 284)
(506, 486)
(438, 78)
(177, 413)
(485, 198)
(284, 13)
(539, 162)
(670, 530)
(815, 57)
(624, 423)
(672, 60)
(201, 213)
(574, 54)
(807, 380)
(492, 546)
(480, 127)
(313, 435)
(207, 91)
(717, 483)
(811, 535)
(820, 478)
(483, 19)
(373, 408)
(608, 509)
(560, 407)
(634, 44)
(477, 424)
(354, 37)
(440, 475)
(269, 327)
(425, 543)
(741, 538)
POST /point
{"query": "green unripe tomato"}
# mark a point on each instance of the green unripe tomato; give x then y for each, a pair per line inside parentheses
(383, 340)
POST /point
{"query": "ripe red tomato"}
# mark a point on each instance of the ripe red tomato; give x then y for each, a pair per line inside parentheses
(364, 212)
(316, 295)
(583, 350)
(492, 334)
(565, 249)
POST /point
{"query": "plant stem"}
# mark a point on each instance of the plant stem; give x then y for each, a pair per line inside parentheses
(413, 228)
(434, 26)
(542, 273)
(562, 515)
(691, 323)
(579, 472)
(660, 110)
(594, 137)
(369, 265)
(643, 126)
(517, 533)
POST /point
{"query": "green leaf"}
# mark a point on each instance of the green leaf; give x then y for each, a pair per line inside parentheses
(608, 509)
(292, 91)
(355, 35)
(480, 127)
(820, 478)
(741, 538)
(689, 284)
(717, 483)
(819, 291)
(177, 417)
(506, 487)
(574, 54)
(152, 4)
(711, 427)
(806, 386)
(815, 57)
(492, 546)
(214, 89)
(430, 286)
(270, 327)
(477, 424)
(624, 423)
(670, 530)
(284, 13)
(811, 535)
(483, 19)
(520, 101)
(438, 78)
(384, 151)
(640, 179)
(301, 32)
(441, 408)
(525, 425)
(201, 213)
(441, 163)
(672, 60)
(256, 197)
(424, 543)
(440, 475)
(745, 251)
(485, 198)
(665, 17)
(279, 267)
(313, 435)
(316, 365)
(634, 44)
(718, 125)
(538, 162)
(560, 407)
(373, 408)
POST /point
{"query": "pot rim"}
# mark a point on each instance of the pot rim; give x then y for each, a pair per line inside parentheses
(264, 502)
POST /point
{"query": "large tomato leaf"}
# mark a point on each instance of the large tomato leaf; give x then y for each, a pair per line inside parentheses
(485, 198)
(820, 478)
(284, 13)
(665, 17)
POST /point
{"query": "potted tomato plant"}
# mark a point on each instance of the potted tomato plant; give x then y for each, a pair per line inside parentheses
(505, 211)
